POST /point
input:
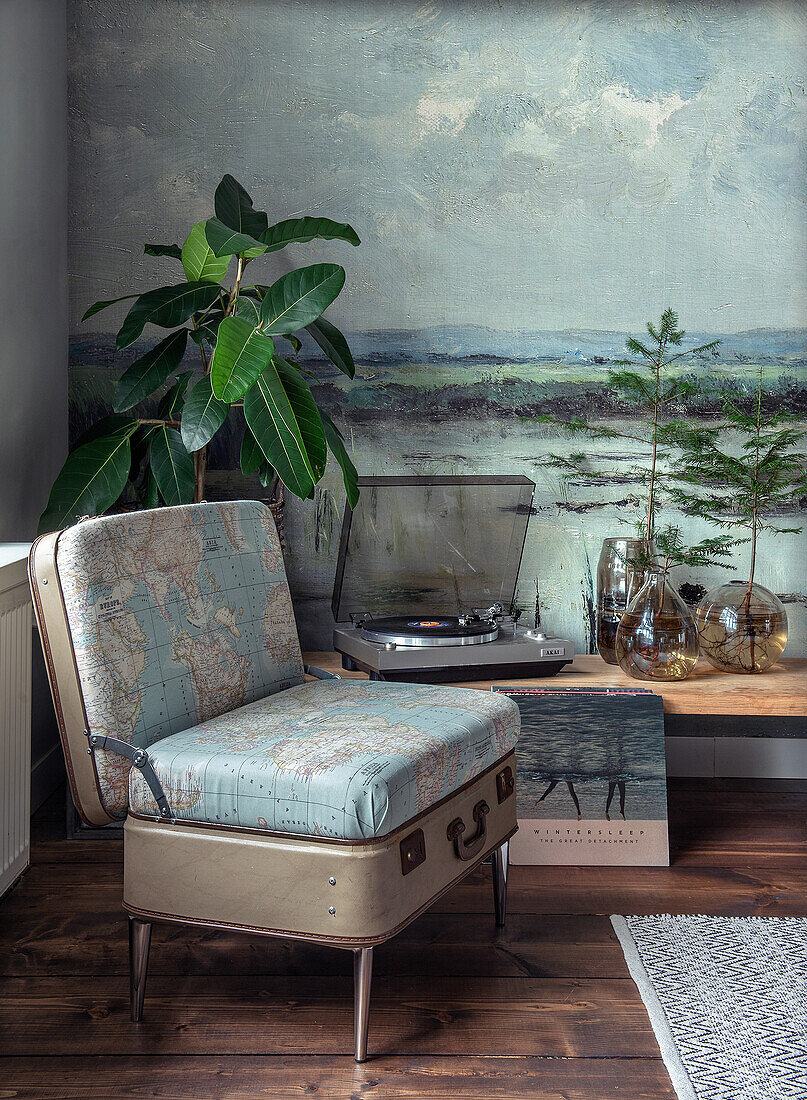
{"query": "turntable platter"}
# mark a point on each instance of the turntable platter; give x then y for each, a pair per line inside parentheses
(447, 630)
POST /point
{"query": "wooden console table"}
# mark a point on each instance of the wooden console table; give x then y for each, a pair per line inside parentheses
(781, 691)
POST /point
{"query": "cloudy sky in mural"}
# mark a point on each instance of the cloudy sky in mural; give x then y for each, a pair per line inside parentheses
(517, 166)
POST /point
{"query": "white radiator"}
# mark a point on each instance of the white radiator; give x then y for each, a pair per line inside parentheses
(15, 714)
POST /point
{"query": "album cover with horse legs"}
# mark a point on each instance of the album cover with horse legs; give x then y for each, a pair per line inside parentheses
(592, 778)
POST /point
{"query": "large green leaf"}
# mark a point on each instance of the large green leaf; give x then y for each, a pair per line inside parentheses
(172, 466)
(225, 241)
(202, 415)
(167, 306)
(107, 425)
(149, 494)
(272, 421)
(170, 406)
(266, 474)
(139, 443)
(251, 455)
(208, 329)
(91, 480)
(299, 297)
(96, 307)
(241, 355)
(233, 207)
(150, 371)
(306, 413)
(249, 309)
(301, 230)
(198, 259)
(172, 250)
(333, 343)
(337, 448)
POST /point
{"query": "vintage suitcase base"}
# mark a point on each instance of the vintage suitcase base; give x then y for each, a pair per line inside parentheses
(338, 892)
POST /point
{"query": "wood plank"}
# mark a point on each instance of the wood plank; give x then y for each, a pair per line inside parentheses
(556, 1017)
(782, 690)
(276, 1078)
(77, 941)
(733, 891)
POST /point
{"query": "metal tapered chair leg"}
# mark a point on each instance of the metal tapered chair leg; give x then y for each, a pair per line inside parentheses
(362, 980)
(139, 943)
(499, 859)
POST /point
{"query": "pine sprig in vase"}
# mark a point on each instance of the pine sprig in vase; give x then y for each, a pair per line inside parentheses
(743, 626)
(657, 395)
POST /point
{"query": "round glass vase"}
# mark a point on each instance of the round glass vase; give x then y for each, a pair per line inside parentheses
(617, 581)
(657, 638)
(742, 627)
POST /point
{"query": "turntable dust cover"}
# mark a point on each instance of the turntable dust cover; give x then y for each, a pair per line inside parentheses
(591, 782)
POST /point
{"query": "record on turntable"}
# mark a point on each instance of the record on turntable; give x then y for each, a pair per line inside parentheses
(426, 582)
(424, 633)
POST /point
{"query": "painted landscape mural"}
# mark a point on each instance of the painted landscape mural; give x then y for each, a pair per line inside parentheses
(531, 183)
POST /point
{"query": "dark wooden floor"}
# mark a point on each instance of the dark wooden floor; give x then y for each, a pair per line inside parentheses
(543, 1009)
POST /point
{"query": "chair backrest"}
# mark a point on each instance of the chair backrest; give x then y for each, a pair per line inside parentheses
(154, 621)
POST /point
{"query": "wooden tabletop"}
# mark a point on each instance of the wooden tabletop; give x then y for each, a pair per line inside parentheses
(780, 691)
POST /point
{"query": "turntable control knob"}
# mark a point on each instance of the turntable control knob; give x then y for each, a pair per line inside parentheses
(390, 645)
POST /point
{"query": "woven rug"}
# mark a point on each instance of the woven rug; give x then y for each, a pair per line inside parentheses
(727, 998)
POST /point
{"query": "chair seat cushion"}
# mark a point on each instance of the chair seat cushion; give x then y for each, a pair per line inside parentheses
(343, 759)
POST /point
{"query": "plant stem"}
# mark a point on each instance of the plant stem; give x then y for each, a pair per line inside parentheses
(199, 470)
(755, 506)
(168, 423)
(200, 456)
(649, 532)
(236, 287)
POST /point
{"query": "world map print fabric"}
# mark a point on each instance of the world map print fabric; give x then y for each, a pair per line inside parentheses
(343, 759)
(177, 615)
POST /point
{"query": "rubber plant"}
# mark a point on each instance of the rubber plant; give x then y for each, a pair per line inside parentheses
(162, 458)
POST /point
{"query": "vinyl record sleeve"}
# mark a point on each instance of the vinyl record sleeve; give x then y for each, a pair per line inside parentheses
(591, 781)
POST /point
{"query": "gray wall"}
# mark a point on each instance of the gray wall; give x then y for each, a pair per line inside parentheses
(33, 302)
(33, 258)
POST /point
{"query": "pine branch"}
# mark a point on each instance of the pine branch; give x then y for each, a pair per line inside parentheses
(690, 351)
(638, 348)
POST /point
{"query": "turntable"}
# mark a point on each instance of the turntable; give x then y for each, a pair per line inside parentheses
(426, 582)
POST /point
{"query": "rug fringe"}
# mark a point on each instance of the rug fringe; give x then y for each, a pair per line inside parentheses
(658, 1018)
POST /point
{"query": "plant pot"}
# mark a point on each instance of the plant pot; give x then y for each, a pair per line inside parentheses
(617, 581)
(743, 628)
(657, 638)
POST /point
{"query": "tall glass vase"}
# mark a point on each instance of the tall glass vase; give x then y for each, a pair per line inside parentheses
(657, 638)
(617, 581)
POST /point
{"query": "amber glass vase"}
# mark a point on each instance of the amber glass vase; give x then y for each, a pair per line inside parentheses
(617, 581)
(742, 626)
(657, 638)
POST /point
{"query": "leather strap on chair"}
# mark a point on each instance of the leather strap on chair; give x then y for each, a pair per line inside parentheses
(320, 673)
(140, 759)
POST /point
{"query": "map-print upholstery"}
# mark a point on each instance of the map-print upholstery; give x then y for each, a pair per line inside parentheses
(177, 615)
(348, 759)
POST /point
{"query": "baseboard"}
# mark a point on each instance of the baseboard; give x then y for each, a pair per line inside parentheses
(690, 756)
(737, 757)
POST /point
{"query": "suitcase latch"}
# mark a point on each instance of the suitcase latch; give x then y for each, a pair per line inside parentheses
(413, 851)
(505, 784)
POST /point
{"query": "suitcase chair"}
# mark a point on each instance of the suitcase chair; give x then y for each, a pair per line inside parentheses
(328, 810)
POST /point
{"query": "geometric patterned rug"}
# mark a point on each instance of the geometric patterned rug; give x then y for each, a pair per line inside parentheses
(727, 998)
